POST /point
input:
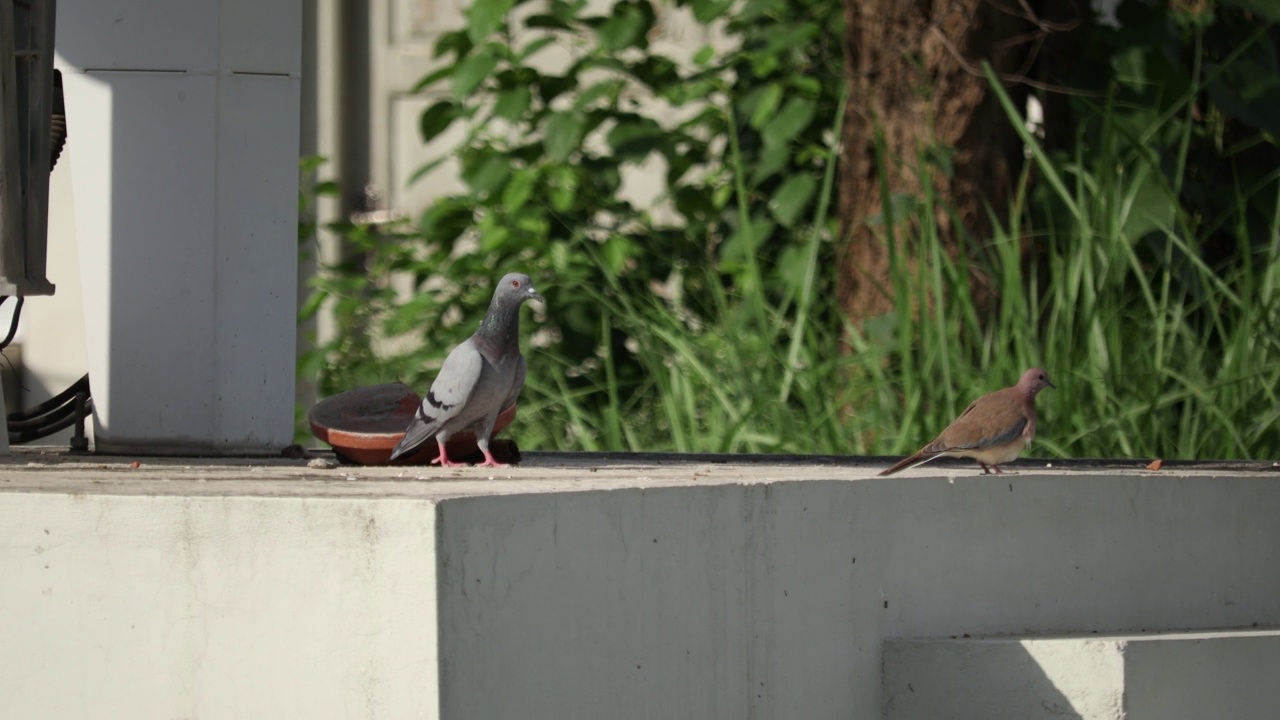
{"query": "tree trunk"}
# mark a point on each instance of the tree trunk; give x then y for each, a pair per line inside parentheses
(914, 69)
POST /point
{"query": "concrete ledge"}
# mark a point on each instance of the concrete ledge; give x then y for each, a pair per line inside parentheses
(574, 587)
(1168, 676)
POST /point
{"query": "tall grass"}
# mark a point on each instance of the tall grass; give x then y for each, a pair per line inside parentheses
(1101, 281)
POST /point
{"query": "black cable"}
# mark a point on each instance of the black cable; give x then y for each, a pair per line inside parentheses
(57, 123)
(36, 433)
(40, 420)
(68, 395)
(13, 327)
(63, 410)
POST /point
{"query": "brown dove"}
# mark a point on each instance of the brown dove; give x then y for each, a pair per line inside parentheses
(993, 430)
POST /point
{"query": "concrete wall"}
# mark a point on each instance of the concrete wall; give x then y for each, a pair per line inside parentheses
(216, 607)
(772, 601)
(562, 592)
(1225, 676)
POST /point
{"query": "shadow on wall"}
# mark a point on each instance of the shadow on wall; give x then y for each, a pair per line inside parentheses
(961, 680)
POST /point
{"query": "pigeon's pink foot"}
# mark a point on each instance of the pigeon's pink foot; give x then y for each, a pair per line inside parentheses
(489, 461)
(444, 461)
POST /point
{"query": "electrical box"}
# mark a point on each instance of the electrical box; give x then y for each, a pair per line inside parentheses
(27, 109)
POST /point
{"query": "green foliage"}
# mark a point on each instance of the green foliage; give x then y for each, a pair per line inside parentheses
(1141, 267)
(559, 105)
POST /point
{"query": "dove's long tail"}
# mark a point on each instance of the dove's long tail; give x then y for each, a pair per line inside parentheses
(920, 457)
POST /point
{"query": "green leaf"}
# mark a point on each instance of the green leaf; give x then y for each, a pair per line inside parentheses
(532, 222)
(635, 137)
(546, 22)
(471, 72)
(792, 199)
(722, 194)
(445, 220)
(755, 8)
(493, 237)
(794, 117)
(564, 134)
(793, 268)
(617, 250)
(791, 36)
(703, 57)
(567, 12)
(455, 42)
(707, 10)
(513, 104)
(313, 303)
(437, 118)
(625, 27)
(807, 84)
(562, 183)
(519, 189)
(488, 176)
(433, 78)
(485, 16)
(532, 48)
(760, 104)
(772, 160)
(603, 89)
(552, 86)
(1149, 205)
(559, 257)
(735, 249)
(655, 71)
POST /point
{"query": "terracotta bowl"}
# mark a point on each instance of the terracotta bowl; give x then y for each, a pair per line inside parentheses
(364, 424)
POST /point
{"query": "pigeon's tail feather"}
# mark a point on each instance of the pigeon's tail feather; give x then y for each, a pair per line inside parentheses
(418, 433)
(920, 457)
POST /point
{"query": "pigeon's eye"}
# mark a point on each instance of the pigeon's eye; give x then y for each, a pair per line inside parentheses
(515, 283)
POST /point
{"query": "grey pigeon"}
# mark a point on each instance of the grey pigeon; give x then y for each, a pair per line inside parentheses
(481, 377)
(993, 430)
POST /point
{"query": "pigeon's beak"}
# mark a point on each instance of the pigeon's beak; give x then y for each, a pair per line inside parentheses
(535, 294)
(1050, 383)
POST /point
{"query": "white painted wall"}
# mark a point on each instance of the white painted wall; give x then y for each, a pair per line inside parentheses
(183, 136)
(626, 592)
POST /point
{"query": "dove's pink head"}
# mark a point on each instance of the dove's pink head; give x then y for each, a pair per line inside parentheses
(1033, 381)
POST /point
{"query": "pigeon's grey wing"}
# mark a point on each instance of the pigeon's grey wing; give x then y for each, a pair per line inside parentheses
(517, 384)
(446, 398)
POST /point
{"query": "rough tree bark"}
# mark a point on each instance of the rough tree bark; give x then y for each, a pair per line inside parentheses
(914, 73)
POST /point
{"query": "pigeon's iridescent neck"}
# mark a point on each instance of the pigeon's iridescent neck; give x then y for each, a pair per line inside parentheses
(499, 331)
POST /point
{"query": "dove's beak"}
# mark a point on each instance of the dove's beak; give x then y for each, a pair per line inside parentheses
(535, 294)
